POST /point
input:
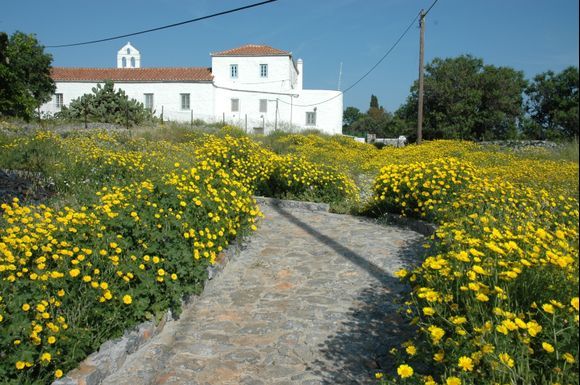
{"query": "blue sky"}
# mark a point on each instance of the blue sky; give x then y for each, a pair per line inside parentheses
(529, 35)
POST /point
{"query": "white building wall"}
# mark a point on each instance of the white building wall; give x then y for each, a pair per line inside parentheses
(287, 102)
(282, 87)
(291, 115)
(281, 72)
(166, 97)
(69, 91)
(328, 114)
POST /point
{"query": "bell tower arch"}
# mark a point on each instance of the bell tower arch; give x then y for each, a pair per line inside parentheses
(128, 57)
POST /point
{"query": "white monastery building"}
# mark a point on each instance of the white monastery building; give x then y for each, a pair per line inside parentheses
(256, 87)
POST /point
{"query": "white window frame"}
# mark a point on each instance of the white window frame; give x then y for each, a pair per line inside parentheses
(263, 107)
(263, 70)
(311, 118)
(149, 106)
(235, 105)
(233, 71)
(58, 100)
(185, 98)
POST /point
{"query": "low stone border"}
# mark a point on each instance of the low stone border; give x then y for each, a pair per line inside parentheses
(521, 144)
(29, 175)
(112, 354)
(283, 203)
(424, 228)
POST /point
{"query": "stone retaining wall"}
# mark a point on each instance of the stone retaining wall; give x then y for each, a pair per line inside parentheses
(24, 185)
(112, 354)
(521, 144)
(310, 206)
(424, 228)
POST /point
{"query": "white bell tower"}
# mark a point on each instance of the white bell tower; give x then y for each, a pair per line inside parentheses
(128, 57)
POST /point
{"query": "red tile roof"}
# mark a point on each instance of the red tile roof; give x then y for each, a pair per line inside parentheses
(189, 74)
(253, 50)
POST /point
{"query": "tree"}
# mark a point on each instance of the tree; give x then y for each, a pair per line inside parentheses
(350, 115)
(367, 125)
(105, 105)
(3, 47)
(376, 121)
(465, 99)
(552, 102)
(25, 81)
(374, 102)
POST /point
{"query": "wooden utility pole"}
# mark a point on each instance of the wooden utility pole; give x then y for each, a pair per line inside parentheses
(421, 57)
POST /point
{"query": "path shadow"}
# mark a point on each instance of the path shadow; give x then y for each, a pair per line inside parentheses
(376, 271)
(373, 325)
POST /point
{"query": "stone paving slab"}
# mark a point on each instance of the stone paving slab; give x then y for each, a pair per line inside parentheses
(310, 301)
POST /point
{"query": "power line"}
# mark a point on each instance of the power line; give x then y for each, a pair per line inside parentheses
(266, 82)
(432, 5)
(368, 72)
(255, 91)
(163, 27)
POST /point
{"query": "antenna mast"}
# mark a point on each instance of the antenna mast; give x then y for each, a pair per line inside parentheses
(339, 76)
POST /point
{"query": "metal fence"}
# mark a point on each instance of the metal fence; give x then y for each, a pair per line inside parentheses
(243, 121)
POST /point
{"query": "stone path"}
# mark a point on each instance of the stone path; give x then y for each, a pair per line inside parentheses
(309, 301)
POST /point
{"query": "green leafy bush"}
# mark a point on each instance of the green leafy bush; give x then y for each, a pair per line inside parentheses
(105, 105)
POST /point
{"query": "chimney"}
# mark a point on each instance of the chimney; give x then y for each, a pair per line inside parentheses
(300, 78)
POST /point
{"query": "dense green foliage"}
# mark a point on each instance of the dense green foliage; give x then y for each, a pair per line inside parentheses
(377, 120)
(467, 99)
(25, 81)
(351, 115)
(553, 104)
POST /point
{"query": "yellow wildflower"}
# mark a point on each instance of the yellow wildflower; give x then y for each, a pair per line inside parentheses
(548, 347)
(548, 308)
(405, 371)
(453, 381)
(569, 358)
(465, 363)
(574, 303)
(506, 359)
(428, 311)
